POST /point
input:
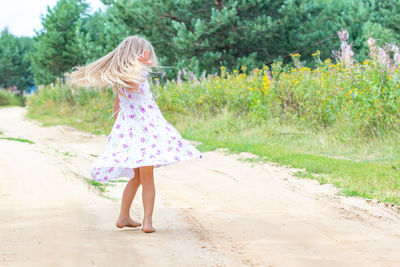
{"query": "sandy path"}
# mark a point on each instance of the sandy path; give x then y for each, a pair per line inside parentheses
(217, 211)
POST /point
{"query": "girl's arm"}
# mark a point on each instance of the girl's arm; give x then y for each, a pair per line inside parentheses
(116, 107)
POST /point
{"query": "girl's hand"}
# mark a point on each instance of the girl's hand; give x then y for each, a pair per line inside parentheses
(144, 58)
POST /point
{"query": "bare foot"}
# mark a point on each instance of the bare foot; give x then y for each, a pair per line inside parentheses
(127, 222)
(148, 229)
(147, 226)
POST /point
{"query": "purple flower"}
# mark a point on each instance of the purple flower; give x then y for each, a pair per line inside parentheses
(131, 106)
(121, 135)
(169, 149)
(155, 136)
(153, 145)
(151, 124)
(176, 158)
(150, 106)
(125, 146)
(108, 139)
(142, 139)
(173, 137)
(130, 96)
(131, 116)
(140, 160)
(110, 169)
(126, 159)
(169, 142)
(166, 127)
(142, 109)
(143, 118)
(145, 129)
(190, 153)
(179, 143)
(201, 156)
(158, 152)
(143, 149)
(105, 178)
(117, 161)
(152, 156)
(177, 149)
(117, 126)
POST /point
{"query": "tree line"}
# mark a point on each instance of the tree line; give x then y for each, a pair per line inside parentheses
(196, 35)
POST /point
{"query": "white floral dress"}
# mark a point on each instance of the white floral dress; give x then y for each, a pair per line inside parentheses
(140, 136)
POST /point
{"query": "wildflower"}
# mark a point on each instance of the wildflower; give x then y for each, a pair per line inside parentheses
(317, 53)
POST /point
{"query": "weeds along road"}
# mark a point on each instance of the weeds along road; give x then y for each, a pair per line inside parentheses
(215, 211)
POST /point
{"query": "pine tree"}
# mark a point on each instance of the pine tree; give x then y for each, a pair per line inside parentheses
(14, 65)
(56, 48)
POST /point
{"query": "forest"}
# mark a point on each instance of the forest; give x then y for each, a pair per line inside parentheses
(198, 36)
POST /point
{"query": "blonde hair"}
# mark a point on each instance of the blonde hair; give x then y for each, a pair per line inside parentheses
(117, 68)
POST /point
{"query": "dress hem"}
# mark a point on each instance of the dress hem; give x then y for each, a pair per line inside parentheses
(130, 168)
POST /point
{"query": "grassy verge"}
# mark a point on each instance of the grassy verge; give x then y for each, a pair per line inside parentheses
(365, 170)
(10, 99)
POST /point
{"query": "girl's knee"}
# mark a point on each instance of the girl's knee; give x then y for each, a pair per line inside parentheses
(146, 171)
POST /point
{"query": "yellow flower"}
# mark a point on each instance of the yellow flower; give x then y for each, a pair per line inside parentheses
(317, 53)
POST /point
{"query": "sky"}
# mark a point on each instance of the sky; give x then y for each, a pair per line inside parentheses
(22, 17)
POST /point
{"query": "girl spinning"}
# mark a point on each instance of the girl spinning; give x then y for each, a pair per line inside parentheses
(141, 139)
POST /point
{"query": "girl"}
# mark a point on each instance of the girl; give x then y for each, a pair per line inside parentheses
(141, 139)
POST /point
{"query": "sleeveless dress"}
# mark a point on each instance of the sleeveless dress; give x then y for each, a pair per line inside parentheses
(140, 136)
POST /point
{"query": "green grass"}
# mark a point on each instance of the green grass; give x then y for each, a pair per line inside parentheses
(356, 171)
(18, 139)
(8, 98)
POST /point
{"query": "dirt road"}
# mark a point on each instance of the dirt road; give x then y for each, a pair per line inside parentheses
(216, 211)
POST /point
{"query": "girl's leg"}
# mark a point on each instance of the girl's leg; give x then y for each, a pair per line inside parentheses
(127, 198)
(148, 196)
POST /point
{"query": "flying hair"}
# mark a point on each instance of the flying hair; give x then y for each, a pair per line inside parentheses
(118, 68)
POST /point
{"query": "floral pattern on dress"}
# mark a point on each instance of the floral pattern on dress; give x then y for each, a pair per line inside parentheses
(140, 136)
